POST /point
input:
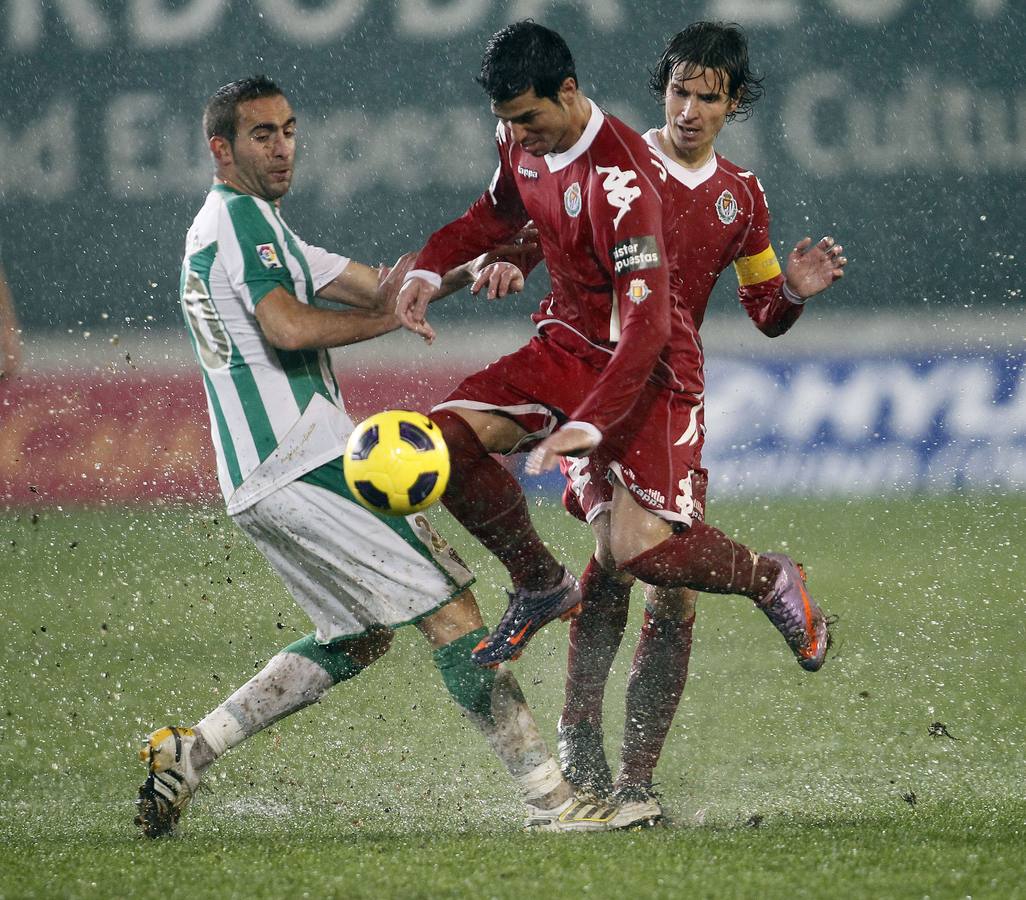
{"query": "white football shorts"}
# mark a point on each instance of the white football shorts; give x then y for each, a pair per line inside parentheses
(349, 569)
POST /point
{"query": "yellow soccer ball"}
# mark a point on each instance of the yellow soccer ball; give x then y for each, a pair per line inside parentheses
(396, 462)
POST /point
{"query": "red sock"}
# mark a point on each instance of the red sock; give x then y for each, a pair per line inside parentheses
(654, 689)
(488, 502)
(705, 559)
(595, 636)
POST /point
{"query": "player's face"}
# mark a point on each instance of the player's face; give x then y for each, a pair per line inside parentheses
(264, 150)
(696, 108)
(540, 125)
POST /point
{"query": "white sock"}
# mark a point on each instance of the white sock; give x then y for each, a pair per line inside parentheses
(287, 684)
(515, 739)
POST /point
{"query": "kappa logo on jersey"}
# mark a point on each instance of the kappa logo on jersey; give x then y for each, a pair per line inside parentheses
(726, 207)
(648, 495)
(527, 173)
(660, 168)
(269, 256)
(572, 200)
(638, 290)
(619, 191)
(635, 254)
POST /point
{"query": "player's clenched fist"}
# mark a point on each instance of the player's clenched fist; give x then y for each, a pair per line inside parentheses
(411, 307)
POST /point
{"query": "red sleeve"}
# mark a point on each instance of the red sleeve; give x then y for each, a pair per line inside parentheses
(494, 217)
(766, 305)
(760, 281)
(627, 224)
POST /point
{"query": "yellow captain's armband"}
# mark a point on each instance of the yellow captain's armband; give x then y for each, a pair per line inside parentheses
(756, 269)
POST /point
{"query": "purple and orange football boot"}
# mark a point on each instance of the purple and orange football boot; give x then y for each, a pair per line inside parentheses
(795, 614)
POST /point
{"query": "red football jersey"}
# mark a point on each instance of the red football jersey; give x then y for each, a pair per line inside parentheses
(715, 216)
(598, 210)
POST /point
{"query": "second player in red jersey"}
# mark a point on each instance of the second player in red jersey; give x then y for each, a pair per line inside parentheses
(715, 215)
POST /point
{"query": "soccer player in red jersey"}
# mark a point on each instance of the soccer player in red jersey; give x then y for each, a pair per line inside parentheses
(604, 376)
(715, 215)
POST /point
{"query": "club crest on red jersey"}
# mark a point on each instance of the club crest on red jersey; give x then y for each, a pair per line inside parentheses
(638, 290)
(726, 207)
(572, 200)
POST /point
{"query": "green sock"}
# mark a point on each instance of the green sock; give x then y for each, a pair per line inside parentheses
(339, 665)
(469, 684)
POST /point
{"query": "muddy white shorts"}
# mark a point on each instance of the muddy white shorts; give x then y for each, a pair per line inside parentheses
(347, 568)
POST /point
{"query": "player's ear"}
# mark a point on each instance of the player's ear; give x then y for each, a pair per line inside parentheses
(568, 89)
(221, 150)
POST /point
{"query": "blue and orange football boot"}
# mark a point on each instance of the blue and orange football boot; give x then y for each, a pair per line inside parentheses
(527, 613)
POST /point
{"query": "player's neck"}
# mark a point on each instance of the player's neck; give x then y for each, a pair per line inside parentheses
(580, 116)
(691, 161)
(227, 181)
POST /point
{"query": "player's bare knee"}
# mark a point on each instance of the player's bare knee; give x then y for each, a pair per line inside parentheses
(623, 548)
(452, 621)
(494, 433)
(607, 562)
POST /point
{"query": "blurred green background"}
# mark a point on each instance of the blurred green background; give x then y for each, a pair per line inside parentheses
(894, 124)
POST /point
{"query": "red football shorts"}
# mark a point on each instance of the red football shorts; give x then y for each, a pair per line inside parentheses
(655, 451)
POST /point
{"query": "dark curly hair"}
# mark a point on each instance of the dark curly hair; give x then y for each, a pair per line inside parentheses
(711, 45)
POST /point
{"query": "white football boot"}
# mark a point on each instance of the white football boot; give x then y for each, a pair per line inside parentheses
(639, 804)
(582, 814)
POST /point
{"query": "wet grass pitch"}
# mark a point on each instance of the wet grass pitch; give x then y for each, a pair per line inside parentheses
(897, 771)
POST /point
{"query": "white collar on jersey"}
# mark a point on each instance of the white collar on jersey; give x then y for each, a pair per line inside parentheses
(690, 178)
(558, 161)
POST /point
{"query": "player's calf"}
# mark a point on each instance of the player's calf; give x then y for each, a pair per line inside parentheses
(294, 678)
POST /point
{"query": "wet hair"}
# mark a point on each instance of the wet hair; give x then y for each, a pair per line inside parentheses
(522, 56)
(220, 115)
(710, 45)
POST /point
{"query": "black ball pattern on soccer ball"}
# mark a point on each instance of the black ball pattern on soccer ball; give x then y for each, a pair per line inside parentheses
(368, 441)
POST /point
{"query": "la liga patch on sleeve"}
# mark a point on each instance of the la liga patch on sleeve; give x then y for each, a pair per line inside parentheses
(269, 256)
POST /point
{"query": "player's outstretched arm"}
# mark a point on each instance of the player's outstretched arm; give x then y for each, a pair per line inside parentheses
(365, 287)
(813, 268)
(291, 325)
(501, 277)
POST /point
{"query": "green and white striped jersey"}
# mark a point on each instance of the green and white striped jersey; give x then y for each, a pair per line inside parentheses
(274, 414)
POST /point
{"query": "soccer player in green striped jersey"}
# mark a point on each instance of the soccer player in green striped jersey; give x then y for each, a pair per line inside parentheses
(279, 424)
